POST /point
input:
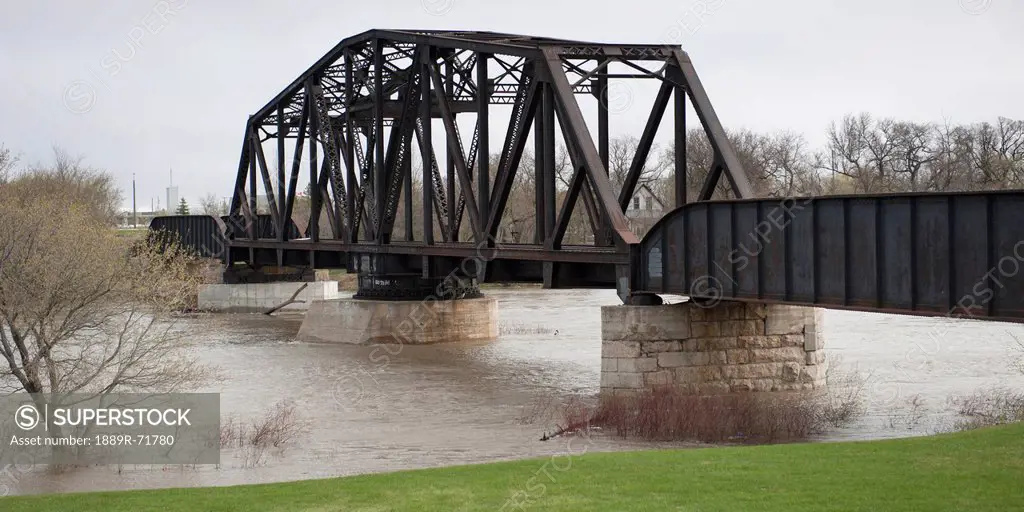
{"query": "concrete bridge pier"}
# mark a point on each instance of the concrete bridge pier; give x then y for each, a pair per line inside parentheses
(255, 290)
(730, 347)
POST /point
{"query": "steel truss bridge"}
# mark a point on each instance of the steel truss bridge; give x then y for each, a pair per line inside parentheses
(355, 118)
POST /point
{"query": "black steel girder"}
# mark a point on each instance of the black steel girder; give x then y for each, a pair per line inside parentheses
(934, 254)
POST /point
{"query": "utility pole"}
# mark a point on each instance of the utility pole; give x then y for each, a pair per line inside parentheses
(135, 213)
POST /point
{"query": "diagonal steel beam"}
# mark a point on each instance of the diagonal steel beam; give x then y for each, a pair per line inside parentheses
(643, 149)
(554, 241)
(572, 116)
(455, 150)
(261, 159)
(297, 159)
(325, 199)
(439, 198)
(589, 203)
(474, 151)
(238, 198)
(515, 141)
(399, 149)
(713, 177)
(253, 198)
(324, 128)
(716, 133)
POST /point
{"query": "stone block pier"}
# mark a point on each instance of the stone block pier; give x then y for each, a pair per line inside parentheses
(730, 347)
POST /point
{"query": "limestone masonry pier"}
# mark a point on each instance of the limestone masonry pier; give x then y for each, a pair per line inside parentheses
(726, 348)
(361, 321)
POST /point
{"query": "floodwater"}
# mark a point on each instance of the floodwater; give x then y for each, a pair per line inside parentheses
(372, 410)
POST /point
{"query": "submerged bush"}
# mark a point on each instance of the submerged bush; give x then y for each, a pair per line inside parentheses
(988, 407)
(671, 415)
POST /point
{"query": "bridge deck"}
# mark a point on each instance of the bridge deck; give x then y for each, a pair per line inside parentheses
(522, 252)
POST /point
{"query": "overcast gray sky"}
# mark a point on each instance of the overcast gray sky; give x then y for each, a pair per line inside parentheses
(141, 86)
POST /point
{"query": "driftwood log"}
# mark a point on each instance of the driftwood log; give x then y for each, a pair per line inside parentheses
(292, 300)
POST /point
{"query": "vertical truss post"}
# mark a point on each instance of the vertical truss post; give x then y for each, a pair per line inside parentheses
(380, 178)
(407, 178)
(548, 136)
(483, 158)
(282, 227)
(603, 115)
(546, 133)
(349, 134)
(539, 173)
(602, 112)
(314, 185)
(426, 145)
(681, 174)
(253, 203)
(449, 90)
(728, 161)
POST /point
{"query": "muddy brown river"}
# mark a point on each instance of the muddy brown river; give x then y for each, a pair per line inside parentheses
(373, 410)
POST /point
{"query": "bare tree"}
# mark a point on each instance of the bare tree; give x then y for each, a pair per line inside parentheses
(621, 153)
(210, 204)
(519, 222)
(81, 309)
(70, 178)
(7, 163)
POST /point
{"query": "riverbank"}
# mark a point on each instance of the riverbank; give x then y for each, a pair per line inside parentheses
(977, 470)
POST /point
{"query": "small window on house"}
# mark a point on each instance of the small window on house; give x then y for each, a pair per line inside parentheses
(650, 203)
(636, 203)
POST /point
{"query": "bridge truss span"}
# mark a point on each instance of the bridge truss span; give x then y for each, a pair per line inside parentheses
(356, 125)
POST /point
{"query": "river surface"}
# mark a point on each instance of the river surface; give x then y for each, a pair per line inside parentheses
(414, 407)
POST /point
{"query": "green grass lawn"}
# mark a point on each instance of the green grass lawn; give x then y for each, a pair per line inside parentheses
(979, 470)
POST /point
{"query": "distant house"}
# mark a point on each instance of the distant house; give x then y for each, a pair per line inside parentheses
(644, 209)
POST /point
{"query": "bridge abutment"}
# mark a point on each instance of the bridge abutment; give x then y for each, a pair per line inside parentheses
(730, 347)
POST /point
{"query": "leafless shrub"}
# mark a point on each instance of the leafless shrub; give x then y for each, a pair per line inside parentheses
(1018, 360)
(280, 425)
(505, 328)
(253, 456)
(909, 414)
(844, 400)
(987, 407)
(673, 414)
(232, 433)
(669, 414)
